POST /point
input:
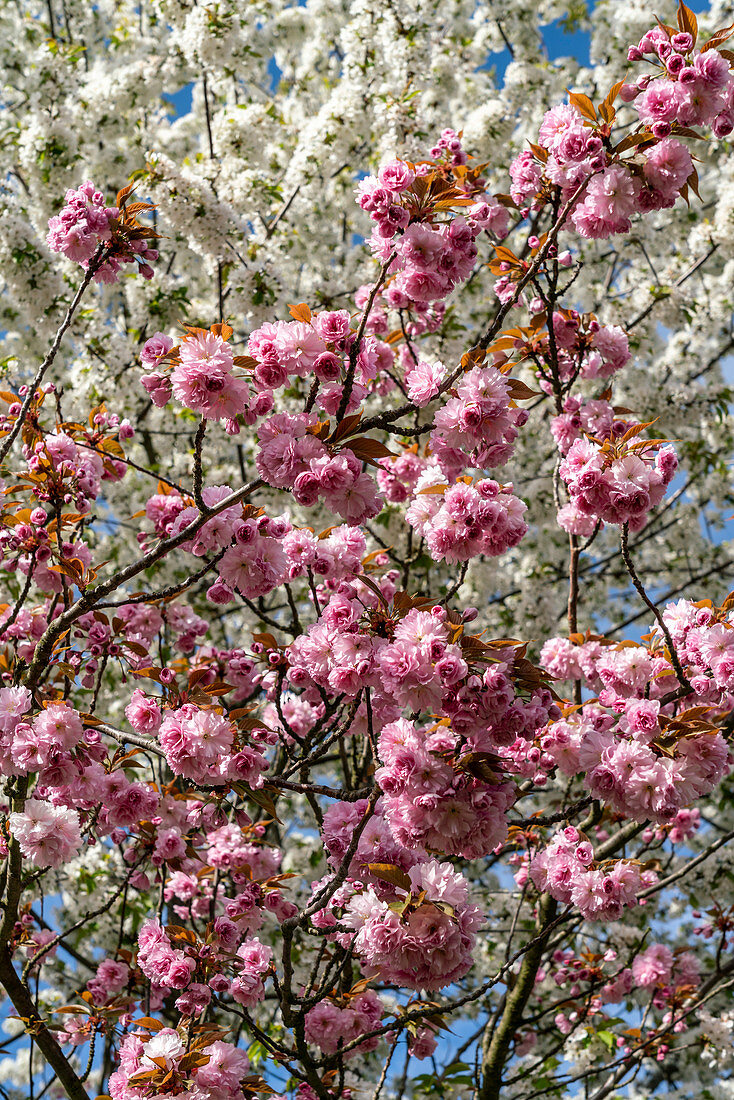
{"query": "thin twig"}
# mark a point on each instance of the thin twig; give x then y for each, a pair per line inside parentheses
(660, 620)
(12, 435)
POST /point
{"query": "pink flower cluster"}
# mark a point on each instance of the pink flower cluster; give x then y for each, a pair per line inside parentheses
(422, 669)
(422, 380)
(48, 835)
(75, 473)
(216, 1072)
(566, 870)
(398, 476)
(253, 962)
(335, 557)
(575, 151)
(15, 702)
(292, 457)
(141, 624)
(429, 803)
(256, 564)
(111, 978)
(380, 197)
(168, 967)
(377, 844)
(657, 966)
(704, 641)
(422, 317)
(202, 378)
(70, 777)
(330, 1026)
(301, 348)
(431, 259)
(126, 803)
(430, 945)
(618, 487)
(420, 664)
(85, 223)
(656, 969)
(337, 654)
(261, 553)
(491, 712)
(449, 147)
(627, 669)
(586, 418)
(44, 742)
(324, 347)
(203, 381)
(610, 201)
(160, 962)
(696, 89)
(476, 426)
(202, 745)
(462, 521)
(634, 779)
(228, 847)
(586, 347)
(621, 756)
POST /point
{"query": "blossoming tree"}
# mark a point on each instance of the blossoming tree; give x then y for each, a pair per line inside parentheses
(330, 767)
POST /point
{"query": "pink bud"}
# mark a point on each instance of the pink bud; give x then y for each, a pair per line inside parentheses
(220, 593)
(628, 92)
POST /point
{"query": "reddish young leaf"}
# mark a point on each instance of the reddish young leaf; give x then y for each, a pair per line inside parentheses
(583, 104)
(687, 21)
(388, 872)
(301, 312)
(720, 36)
(148, 1023)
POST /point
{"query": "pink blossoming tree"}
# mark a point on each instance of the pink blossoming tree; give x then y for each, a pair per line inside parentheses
(324, 823)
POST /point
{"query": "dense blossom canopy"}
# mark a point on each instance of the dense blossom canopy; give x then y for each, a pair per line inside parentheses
(366, 655)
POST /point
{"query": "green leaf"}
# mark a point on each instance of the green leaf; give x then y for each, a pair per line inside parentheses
(608, 1039)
